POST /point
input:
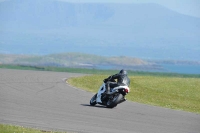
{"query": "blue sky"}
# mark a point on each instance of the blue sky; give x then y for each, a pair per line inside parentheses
(188, 7)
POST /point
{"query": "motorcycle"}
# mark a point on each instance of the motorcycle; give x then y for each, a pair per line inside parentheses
(116, 96)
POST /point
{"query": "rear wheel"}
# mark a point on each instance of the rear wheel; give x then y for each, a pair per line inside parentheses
(93, 100)
(114, 101)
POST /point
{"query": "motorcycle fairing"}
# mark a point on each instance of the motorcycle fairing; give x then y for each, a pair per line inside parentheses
(102, 89)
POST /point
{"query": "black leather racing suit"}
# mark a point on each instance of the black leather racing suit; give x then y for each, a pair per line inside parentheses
(122, 79)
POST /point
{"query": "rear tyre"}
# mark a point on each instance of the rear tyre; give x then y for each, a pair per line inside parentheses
(93, 100)
(113, 102)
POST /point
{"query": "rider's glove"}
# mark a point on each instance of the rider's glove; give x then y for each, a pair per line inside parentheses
(105, 80)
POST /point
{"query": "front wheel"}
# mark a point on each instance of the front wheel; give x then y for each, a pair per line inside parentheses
(93, 100)
(114, 101)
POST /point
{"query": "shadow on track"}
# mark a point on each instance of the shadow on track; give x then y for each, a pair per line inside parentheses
(97, 106)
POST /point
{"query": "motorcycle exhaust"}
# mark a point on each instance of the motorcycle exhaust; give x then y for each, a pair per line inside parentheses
(123, 100)
(113, 92)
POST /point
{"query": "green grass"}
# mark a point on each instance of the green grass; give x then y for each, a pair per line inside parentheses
(19, 129)
(170, 92)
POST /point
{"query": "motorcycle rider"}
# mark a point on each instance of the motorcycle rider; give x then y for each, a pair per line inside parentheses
(122, 79)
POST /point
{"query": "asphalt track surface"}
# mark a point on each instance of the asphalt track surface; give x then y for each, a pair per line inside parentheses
(43, 100)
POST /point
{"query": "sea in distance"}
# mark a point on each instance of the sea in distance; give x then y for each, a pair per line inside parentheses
(168, 68)
(182, 69)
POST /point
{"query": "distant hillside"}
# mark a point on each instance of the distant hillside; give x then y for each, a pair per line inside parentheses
(137, 30)
(82, 60)
(76, 60)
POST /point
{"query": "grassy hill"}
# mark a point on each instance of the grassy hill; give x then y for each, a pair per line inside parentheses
(72, 60)
(82, 60)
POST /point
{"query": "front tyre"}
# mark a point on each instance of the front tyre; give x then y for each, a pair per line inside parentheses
(93, 100)
(114, 101)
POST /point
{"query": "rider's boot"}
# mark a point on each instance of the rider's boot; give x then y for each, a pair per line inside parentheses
(99, 99)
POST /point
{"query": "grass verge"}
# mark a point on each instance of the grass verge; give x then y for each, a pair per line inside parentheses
(19, 129)
(170, 92)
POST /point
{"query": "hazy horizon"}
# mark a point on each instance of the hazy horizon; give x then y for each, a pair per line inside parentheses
(145, 30)
(187, 7)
